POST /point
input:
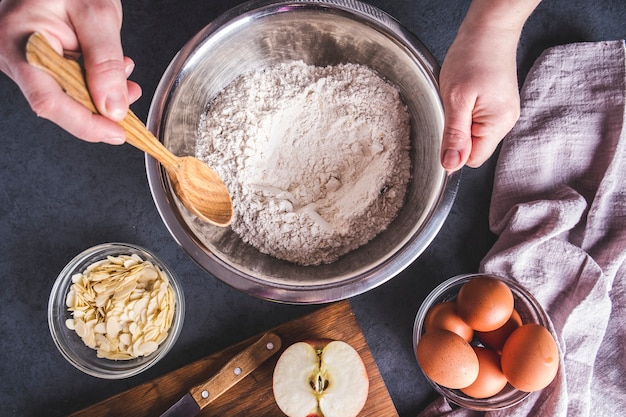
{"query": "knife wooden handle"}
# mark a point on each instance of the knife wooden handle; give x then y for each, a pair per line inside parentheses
(236, 369)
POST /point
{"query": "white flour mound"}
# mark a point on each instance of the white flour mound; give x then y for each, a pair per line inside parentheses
(316, 159)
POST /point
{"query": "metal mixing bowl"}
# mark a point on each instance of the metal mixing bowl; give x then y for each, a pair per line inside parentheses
(324, 32)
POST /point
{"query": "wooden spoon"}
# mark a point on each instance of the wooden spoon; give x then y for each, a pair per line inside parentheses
(200, 189)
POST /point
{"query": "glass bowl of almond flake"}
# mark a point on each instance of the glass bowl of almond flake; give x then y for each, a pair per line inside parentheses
(115, 310)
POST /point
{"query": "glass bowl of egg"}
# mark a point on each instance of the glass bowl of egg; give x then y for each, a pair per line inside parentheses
(484, 342)
(115, 310)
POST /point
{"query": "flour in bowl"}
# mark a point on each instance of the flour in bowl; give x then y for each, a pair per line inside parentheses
(316, 158)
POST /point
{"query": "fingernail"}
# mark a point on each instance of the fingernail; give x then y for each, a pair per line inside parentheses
(129, 68)
(451, 159)
(115, 105)
(115, 141)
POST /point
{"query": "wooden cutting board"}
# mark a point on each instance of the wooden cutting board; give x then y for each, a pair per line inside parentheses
(252, 395)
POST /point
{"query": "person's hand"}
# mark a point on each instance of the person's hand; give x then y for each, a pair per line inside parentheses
(91, 28)
(480, 97)
(478, 82)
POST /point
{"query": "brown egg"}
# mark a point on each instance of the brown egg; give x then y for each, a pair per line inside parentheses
(485, 303)
(490, 380)
(530, 358)
(447, 359)
(444, 316)
(495, 339)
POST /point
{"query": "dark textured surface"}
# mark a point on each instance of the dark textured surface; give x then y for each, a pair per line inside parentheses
(59, 195)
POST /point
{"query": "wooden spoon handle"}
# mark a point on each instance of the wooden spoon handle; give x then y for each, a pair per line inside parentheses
(236, 369)
(69, 75)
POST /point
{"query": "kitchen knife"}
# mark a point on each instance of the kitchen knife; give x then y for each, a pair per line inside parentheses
(234, 371)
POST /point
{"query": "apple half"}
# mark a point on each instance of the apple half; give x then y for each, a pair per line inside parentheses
(320, 378)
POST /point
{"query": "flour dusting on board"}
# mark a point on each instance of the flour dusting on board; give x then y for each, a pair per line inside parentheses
(316, 158)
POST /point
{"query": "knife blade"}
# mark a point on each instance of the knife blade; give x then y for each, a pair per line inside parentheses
(234, 371)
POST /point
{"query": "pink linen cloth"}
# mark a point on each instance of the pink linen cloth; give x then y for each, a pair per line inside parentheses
(559, 210)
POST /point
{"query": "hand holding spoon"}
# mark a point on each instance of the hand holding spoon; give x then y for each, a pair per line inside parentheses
(200, 189)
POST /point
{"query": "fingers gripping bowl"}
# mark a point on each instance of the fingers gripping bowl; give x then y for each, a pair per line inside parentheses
(321, 33)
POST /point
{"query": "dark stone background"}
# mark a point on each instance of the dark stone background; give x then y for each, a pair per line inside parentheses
(59, 196)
